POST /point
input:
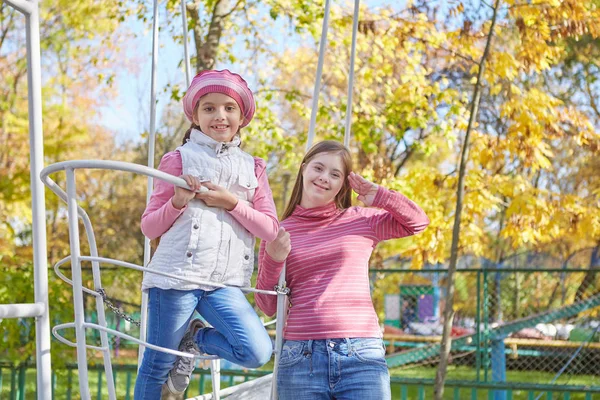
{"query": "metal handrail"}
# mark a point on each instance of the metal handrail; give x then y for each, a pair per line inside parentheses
(123, 336)
(80, 325)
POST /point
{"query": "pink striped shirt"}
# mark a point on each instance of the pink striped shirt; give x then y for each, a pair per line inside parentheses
(327, 269)
(160, 214)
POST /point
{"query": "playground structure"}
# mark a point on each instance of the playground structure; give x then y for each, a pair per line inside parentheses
(259, 389)
(489, 342)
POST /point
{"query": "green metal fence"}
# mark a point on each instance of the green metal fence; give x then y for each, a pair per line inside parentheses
(530, 327)
(417, 389)
(18, 382)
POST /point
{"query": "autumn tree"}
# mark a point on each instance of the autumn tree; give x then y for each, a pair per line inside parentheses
(78, 43)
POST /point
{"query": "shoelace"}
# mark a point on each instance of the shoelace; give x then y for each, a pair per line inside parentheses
(185, 365)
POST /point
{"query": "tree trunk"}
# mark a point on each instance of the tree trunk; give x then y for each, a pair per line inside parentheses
(446, 344)
(207, 45)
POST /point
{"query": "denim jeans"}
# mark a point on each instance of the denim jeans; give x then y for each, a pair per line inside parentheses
(344, 369)
(237, 334)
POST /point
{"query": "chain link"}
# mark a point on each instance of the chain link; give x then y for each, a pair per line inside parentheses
(284, 290)
(116, 309)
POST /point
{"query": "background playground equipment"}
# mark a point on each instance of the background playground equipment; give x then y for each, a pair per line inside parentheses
(414, 304)
(497, 352)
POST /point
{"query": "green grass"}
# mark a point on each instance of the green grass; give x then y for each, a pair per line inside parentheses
(468, 374)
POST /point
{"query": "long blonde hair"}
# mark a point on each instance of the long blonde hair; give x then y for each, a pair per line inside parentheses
(344, 197)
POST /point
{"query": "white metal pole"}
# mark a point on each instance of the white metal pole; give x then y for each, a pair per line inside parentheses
(110, 381)
(317, 89)
(215, 376)
(30, 9)
(77, 285)
(186, 53)
(348, 127)
(151, 148)
(279, 325)
(38, 203)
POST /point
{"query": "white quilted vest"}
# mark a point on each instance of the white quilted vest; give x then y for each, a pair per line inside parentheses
(207, 243)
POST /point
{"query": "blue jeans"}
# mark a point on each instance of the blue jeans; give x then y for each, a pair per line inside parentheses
(344, 369)
(237, 334)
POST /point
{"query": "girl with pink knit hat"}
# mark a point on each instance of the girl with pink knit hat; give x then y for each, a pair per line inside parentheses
(206, 235)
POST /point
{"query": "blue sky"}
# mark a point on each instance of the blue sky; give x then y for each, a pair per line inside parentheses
(128, 115)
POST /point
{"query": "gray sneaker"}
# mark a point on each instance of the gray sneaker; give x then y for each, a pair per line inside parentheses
(179, 376)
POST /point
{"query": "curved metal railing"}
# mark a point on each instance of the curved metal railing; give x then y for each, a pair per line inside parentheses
(74, 211)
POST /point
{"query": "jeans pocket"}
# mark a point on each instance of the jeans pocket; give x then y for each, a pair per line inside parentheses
(370, 351)
(292, 353)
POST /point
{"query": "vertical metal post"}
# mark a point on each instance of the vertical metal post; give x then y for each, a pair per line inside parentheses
(100, 309)
(215, 374)
(30, 9)
(38, 202)
(478, 329)
(498, 366)
(348, 128)
(498, 294)
(151, 148)
(279, 325)
(77, 285)
(486, 327)
(317, 89)
(186, 53)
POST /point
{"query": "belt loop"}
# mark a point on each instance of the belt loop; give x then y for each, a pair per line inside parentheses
(309, 346)
(349, 345)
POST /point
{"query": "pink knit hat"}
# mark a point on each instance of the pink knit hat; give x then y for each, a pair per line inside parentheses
(226, 82)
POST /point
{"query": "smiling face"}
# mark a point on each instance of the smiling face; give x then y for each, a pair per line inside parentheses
(218, 116)
(322, 179)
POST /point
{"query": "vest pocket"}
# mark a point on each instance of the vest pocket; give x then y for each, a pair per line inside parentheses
(245, 186)
(247, 181)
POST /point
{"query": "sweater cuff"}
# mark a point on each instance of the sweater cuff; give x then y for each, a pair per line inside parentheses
(171, 210)
(271, 263)
(237, 211)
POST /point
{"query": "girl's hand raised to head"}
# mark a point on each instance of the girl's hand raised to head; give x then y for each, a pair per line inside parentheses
(183, 196)
(217, 196)
(366, 189)
(279, 248)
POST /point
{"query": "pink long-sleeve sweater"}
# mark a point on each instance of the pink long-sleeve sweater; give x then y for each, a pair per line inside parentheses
(260, 220)
(327, 268)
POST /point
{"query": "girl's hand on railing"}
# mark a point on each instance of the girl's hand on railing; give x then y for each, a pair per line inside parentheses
(183, 196)
(217, 196)
(279, 248)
